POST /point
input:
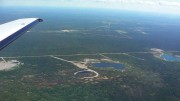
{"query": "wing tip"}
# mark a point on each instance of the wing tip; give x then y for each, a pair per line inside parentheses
(40, 20)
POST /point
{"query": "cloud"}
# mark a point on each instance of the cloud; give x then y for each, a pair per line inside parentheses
(134, 2)
(139, 2)
(170, 3)
(139, 5)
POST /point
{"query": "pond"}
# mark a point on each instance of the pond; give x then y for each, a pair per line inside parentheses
(107, 65)
(169, 57)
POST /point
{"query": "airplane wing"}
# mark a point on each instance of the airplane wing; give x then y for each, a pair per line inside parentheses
(12, 30)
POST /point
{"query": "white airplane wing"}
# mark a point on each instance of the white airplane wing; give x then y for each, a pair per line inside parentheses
(12, 30)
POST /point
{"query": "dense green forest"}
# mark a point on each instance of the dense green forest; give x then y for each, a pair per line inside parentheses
(75, 34)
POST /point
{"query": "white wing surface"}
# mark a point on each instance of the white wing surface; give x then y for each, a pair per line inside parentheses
(12, 30)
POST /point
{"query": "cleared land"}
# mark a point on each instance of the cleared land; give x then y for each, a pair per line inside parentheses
(8, 65)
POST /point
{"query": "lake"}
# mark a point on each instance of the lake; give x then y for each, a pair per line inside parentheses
(169, 57)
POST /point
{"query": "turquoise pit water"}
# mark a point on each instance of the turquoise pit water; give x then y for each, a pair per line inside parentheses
(169, 57)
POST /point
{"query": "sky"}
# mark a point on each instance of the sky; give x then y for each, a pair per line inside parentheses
(161, 6)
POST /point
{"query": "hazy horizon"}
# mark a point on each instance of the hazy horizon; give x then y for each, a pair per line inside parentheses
(155, 6)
